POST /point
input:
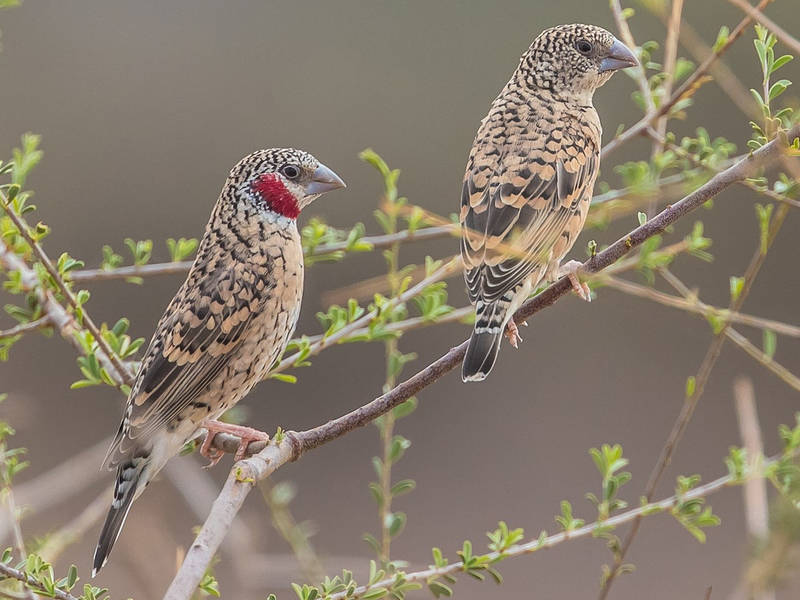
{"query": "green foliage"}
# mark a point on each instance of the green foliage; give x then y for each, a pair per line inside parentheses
(781, 120)
(90, 364)
(690, 512)
(44, 581)
(182, 248)
(609, 461)
(323, 243)
(566, 520)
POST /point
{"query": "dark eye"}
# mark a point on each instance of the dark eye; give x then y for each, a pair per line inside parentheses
(584, 46)
(290, 171)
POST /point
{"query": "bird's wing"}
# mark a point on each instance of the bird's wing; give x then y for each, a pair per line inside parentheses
(521, 207)
(194, 341)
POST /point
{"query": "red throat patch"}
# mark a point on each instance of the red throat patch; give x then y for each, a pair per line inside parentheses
(273, 192)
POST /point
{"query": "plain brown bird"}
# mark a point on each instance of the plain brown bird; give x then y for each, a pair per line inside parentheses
(229, 322)
(529, 180)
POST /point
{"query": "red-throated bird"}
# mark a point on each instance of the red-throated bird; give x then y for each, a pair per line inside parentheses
(529, 180)
(228, 323)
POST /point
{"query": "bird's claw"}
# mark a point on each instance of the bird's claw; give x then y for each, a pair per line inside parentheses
(208, 451)
(245, 434)
(512, 333)
(579, 287)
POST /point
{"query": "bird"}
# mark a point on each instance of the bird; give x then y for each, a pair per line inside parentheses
(226, 326)
(529, 180)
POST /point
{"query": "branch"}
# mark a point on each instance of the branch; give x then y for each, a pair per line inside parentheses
(694, 305)
(25, 327)
(290, 447)
(693, 396)
(689, 87)
(554, 540)
(30, 582)
(55, 312)
(121, 369)
(377, 241)
(780, 33)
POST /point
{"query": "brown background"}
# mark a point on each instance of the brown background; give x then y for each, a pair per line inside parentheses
(145, 106)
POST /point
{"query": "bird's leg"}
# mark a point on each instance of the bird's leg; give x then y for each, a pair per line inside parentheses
(581, 287)
(246, 435)
(512, 333)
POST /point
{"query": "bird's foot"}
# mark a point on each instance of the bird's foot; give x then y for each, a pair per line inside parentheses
(512, 333)
(246, 435)
(580, 287)
(207, 450)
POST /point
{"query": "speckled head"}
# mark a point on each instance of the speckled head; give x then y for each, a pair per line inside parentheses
(574, 60)
(282, 180)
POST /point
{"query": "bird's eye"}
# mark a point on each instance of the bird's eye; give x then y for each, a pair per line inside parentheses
(290, 171)
(584, 46)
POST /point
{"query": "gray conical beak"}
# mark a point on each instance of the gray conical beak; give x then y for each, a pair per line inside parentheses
(324, 180)
(619, 56)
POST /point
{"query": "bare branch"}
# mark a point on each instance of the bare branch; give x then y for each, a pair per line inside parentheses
(755, 13)
(693, 304)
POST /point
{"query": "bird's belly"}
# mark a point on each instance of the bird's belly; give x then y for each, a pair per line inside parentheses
(249, 365)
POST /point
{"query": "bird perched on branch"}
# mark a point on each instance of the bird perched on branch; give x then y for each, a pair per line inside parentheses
(229, 322)
(529, 180)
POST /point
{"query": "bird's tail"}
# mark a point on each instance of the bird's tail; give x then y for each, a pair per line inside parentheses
(131, 478)
(484, 344)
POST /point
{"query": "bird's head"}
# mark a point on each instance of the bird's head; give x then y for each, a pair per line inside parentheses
(282, 180)
(574, 60)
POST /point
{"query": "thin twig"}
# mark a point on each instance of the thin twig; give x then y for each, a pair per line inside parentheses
(559, 538)
(695, 305)
(122, 370)
(689, 87)
(670, 58)
(703, 374)
(691, 303)
(247, 472)
(627, 38)
(166, 268)
(755, 13)
(25, 327)
(30, 582)
(365, 319)
(13, 515)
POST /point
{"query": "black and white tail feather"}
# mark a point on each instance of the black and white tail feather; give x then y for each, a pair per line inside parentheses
(484, 343)
(131, 480)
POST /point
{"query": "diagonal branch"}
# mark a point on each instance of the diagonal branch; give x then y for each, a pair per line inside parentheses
(688, 87)
(780, 32)
(292, 445)
(693, 397)
(119, 366)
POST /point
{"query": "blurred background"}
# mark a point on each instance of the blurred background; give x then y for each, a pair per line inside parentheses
(145, 106)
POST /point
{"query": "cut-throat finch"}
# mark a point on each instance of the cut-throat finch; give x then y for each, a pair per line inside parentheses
(529, 180)
(226, 326)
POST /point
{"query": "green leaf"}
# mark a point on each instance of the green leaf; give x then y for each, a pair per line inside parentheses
(403, 487)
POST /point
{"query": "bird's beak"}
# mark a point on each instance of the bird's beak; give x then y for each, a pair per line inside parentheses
(619, 57)
(324, 180)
